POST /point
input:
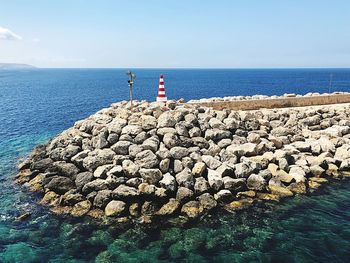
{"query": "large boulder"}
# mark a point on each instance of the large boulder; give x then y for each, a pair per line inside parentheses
(185, 178)
(215, 180)
(168, 182)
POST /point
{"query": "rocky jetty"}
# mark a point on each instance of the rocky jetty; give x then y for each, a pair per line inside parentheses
(263, 97)
(178, 160)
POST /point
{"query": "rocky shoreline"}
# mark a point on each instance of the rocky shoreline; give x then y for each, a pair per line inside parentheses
(181, 161)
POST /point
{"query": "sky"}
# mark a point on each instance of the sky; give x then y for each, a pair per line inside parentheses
(176, 33)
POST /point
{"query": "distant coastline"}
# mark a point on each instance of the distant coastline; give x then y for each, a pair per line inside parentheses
(9, 66)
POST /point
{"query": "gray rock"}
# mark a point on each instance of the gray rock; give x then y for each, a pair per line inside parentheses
(178, 166)
(246, 149)
(97, 158)
(102, 198)
(101, 171)
(256, 182)
(181, 129)
(146, 159)
(183, 194)
(216, 134)
(115, 208)
(223, 195)
(185, 178)
(215, 180)
(78, 158)
(151, 176)
(166, 119)
(171, 140)
(60, 184)
(178, 152)
(121, 147)
(123, 191)
(211, 162)
(151, 144)
(132, 130)
(129, 168)
(99, 141)
(207, 201)
(235, 185)
(116, 171)
(164, 165)
(148, 122)
(168, 182)
(198, 169)
(41, 165)
(64, 169)
(82, 179)
(95, 185)
(201, 185)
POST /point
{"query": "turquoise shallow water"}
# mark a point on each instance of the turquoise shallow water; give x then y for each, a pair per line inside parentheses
(36, 106)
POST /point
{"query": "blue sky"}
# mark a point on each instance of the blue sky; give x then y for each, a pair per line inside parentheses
(172, 34)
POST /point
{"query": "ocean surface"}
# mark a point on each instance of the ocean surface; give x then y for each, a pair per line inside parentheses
(35, 105)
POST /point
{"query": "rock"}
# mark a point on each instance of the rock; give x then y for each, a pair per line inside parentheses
(78, 158)
(211, 162)
(223, 195)
(225, 170)
(101, 171)
(214, 179)
(192, 209)
(60, 184)
(234, 184)
(146, 159)
(243, 170)
(50, 198)
(168, 182)
(151, 144)
(95, 185)
(99, 142)
(239, 204)
(81, 208)
(148, 122)
(164, 165)
(345, 165)
(169, 208)
(216, 134)
(130, 169)
(279, 174)
(280, 191)
(82, 179)
(201, 185)
(198, 169)
(132, 130)
(123, 191)
(151, 176)
(183, 194)
(134, 209)
(121, 147)
(256, 182)
(244, 194)
(115, 208)
(297, 188)
(102, 198)
(72, 197)
(146, 189)
(41, 165)
(246, 149)
(166, 119)
(116, 171)
(298, 173)
(178, 152)
(185, 178)
(316, 170)
(97, 158)
(207, 201)
(64, 169)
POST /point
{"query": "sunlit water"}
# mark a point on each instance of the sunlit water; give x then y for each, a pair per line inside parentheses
(36, 105)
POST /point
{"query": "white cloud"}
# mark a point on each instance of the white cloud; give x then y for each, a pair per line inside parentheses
(6, 34)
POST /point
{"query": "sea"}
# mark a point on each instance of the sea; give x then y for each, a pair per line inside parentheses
(36, 105)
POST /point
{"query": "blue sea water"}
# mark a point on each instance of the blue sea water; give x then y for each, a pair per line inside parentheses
(37, 104)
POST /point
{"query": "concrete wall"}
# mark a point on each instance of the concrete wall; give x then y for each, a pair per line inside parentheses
(278, 103)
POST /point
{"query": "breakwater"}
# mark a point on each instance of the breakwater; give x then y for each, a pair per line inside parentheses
(178, 160)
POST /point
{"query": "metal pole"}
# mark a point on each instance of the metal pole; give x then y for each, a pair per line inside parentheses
(130, 95)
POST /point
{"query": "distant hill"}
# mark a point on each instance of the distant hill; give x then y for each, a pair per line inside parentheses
(15, 66)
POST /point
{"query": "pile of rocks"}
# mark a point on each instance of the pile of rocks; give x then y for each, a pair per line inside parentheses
(262, 97)
(180, 160)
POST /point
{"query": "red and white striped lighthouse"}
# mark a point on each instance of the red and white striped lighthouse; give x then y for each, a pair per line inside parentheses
(161, 90)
